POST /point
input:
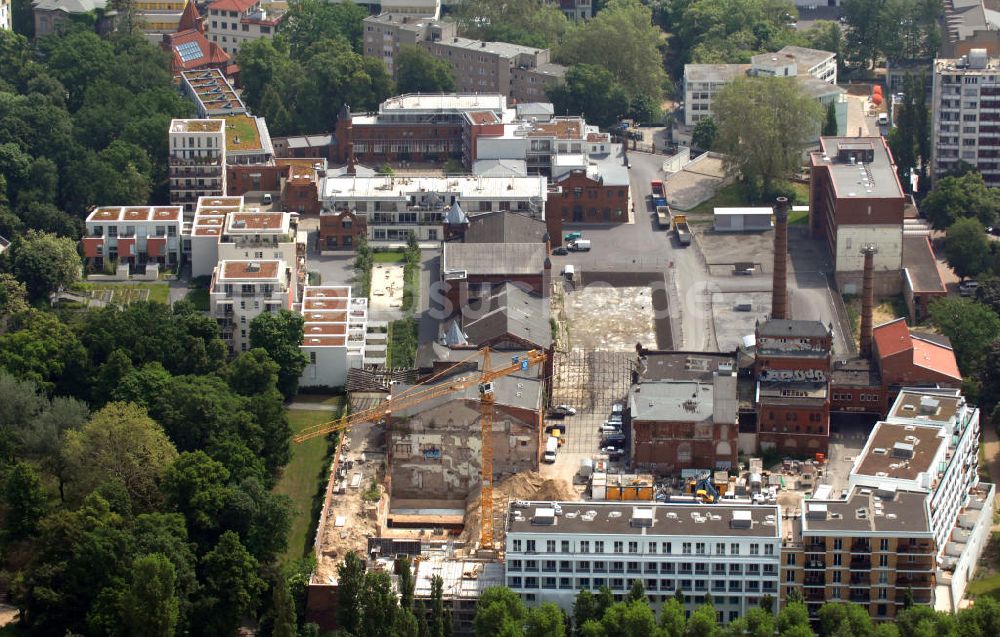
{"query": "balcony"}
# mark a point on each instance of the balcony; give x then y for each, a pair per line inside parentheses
(919, 597)
(913, 548)
(861, 547)
(915, 581)
(814, 580)
(861, 580)
(814, 595)
(860, 563)
(816, 547)
(860, 597)
(815, 565)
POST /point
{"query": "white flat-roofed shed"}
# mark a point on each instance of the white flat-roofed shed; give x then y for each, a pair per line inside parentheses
(743, 219)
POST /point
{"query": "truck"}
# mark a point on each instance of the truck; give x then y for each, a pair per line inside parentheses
(663, 217)
(659, 195)
(551, 447)
(682, 229)
(580, 245)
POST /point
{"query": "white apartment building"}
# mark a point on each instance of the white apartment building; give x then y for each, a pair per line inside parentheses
(136, 235)
(5, 22)
(573, 9)
(334, 334)
(550, 148)
(966, 126)
(230, 23)
(912, 515)
(243, 289)
(197, 162)
(393, 207)
(703, 81)
(555, 550)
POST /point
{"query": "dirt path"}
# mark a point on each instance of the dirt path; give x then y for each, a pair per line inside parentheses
(991, 450)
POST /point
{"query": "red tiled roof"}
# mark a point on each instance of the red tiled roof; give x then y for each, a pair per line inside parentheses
(190, 19)
(212, 54)
(936, 357)
(232, 5)
(892, 338)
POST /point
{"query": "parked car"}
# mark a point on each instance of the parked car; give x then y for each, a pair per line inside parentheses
(615, 419)
(267, 198)
(560, 251)
(968, 288)
(556, 427)
(617, 408)
(610, 428)
(562, 411)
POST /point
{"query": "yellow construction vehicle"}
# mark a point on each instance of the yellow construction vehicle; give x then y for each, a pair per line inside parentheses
(431, 388)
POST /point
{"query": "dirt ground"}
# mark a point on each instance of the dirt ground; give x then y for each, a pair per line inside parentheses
(387, 287)
(602, 318)
(529, 485)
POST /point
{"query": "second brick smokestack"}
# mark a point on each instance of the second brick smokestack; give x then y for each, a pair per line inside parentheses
(867, 301)
(779, 285)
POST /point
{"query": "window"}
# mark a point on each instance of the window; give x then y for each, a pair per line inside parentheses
(530, 544)
(598, 546)
(883, 560)
(720, 548)
(585, 546)
(734, 549)
(883, 544)
(836, 576)
(619, 546)
(768, 549)
(633, 547)
(564, 546)
(837, 559)
(686, 548)
(755, 549)
(550, 546)
(652, 547)
(666, 546)
(838, 544)
(790, 559)
(699, 548)
(312, 357)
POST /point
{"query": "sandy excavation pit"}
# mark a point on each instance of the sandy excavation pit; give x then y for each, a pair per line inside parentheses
(604, 318)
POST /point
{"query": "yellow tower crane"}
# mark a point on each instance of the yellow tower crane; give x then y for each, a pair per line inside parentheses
(430, 389)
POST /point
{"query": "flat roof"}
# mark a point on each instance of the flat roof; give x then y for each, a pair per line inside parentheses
(863, 180)
(792, 328)
(683, 365)
(900, 452)
(465, 187)
(137, 213)
(807, 58)
(195, 125)
(863, 511)
(856, 372)
(714, 72)
(493, 258)
(612, 518)
(929, 406)
(445, 102)
(255, 222)
(672, 401)
(250, 269)
(746, 211)
(503, 49)
(245, 133)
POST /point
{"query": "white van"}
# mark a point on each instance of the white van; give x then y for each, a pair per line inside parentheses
(569, 272)
(883, 119)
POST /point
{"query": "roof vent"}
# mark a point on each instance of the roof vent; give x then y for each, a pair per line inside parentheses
(741, 520)
(902, 450)
(642, 517)
(929, 405)
(544, 516)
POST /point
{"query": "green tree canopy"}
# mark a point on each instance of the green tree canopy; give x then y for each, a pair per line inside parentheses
(590, 90)
(232, 585)
(500, 613)
(44, 263)
(417, 71)
(280, 335)
(120, 443)
(967, 247)
(964, 196)
(703, 136)
(151, 606)
(763, 126)
(23, 502)
(525, 22)
(970, 325)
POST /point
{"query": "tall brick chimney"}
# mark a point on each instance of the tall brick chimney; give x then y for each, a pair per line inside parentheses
(779, 284)
(867, 300)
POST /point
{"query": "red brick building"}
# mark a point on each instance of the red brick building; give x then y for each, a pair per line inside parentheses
(587, 196)
(297, 181)
(341, 229)
(906, 359)
(684, 424)
(792, 366)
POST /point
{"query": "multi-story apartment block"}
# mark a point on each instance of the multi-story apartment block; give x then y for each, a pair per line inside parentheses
(551, 147)
(243, 289)
(393, 207)
(703, 81)
(555, 550)
(233, 22)
(158, 17)
(136, 235)
(211, 93)
(573, 9)
(197, 162)
(856, 200)
(334, 334)
(512, 70)
(966, 127)
(910, 520)
(5, 14)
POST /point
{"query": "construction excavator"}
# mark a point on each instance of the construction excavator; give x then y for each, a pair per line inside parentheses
(443, 383)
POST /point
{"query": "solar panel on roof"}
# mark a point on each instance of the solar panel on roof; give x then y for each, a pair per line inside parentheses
(189, 51)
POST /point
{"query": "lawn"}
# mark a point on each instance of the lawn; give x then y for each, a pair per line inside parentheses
(402, 349)
(388, 257)
(989, 586)
(732, 196)
(125, 293)
(244, 129)
(305, 477)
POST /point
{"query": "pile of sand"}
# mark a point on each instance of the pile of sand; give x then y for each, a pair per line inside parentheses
(520, 486)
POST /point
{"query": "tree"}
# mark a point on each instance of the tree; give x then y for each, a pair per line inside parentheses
(793, 616)
(970, 325)
(704, 133)
(629, 619)
(120, 442)
(702, 622)
(44, 263)
(20, 405)
(525, 22)
(963, 196)
(636, 592)
(591, 91)
(232, 585)
(350, 587)
(379, 609)
(499, 613)
(417, 71)
(282, 610)
(406, 584)
(584, 607)
(623, 39)
(767, 604)
(24, 502)
(13, 299)
(280, 335)
(830, 125)
(967, 247)
(151, 606)
(40, 348)
(311, 22)
(672, 619)
(763, 126)
(196, 485)
(545, 621)
(760, 623)
(437, 623)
